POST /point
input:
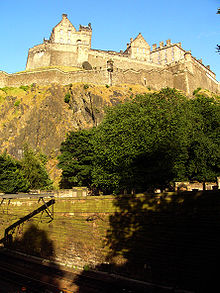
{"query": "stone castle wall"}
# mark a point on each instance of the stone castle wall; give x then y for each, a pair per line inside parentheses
(185, 76)
(156, 79)
(166, 65)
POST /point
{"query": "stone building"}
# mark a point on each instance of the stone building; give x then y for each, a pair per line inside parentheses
(160, 66)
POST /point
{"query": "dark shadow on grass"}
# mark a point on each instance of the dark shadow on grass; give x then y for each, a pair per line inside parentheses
(28, 252)
(170, 240)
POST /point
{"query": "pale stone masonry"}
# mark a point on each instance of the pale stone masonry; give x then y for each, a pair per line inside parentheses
(164, 65)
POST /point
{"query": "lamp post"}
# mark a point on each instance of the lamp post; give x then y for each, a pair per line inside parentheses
(110, 64)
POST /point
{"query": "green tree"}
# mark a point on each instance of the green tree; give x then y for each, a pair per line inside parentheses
(76, 159)
(33, 167)
(142, 142)
(203, 162)
(12, 178)
(151, 140)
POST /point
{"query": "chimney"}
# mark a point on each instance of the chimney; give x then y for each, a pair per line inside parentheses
(208, 67)
(188, 55)
(168, 42)
(161, 44)
(179, 44)
(131, 40)
(64, 15)
(154, 46)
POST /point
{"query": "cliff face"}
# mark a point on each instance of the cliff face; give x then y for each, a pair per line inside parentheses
(42, 115)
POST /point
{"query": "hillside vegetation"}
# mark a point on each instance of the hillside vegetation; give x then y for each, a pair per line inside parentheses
(42, 115)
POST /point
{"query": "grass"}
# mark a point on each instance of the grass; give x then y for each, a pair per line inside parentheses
(63, 68)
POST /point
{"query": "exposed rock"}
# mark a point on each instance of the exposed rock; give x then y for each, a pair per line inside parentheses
(40, 116)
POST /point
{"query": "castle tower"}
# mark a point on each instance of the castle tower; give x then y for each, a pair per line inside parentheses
(138, 49)
(65, 47)
(65, 33)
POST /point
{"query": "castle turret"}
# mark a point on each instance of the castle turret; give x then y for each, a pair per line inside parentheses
(138, 48)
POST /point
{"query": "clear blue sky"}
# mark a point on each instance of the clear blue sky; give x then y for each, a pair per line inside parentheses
(195, 23)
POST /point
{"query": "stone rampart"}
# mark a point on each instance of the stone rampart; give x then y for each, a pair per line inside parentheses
(185, 76)
(3, 79)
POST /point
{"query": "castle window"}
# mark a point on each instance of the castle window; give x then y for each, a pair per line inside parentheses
(69, 33)
(137, 50)
(68, 41)
(61, 40)
(61, 32)
(172, 54)
(158, 58)
(143, 50)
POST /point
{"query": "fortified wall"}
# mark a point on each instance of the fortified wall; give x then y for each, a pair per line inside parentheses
(164, 65)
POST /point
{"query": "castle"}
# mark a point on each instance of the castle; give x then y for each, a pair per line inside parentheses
(164, 65)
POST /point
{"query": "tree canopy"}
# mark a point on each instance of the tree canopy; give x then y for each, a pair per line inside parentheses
(151, 140)
(21, 176)
(33, 166)
(12, 178)
(76, 159)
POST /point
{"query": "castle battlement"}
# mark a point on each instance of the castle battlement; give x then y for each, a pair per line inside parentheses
(165, 64)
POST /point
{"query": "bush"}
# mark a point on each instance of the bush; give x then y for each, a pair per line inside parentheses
(6, 88)
(107, 86)
(17, 103)
(86, 86)
(196, 91)
(24, 87)
(67, 98)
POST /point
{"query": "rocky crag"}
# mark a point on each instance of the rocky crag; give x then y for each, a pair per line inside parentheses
(42, 115)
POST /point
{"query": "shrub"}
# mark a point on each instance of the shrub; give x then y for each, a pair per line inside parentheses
(24, 87)
(196, 91)
(17, 103)
(86, 86)
(67, 98)
(6, 88)
(107, 86)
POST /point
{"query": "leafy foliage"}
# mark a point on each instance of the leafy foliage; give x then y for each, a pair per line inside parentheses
(76, 159)
(33, 166)
(24, 87)
(204, 153)
(151, 140)
(17, 103)
(86, 86)
(67, 98)
(12, 178)
(142, 142)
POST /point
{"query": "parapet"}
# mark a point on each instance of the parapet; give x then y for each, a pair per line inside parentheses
(85, 28)
(161, 44)
(154, 47)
